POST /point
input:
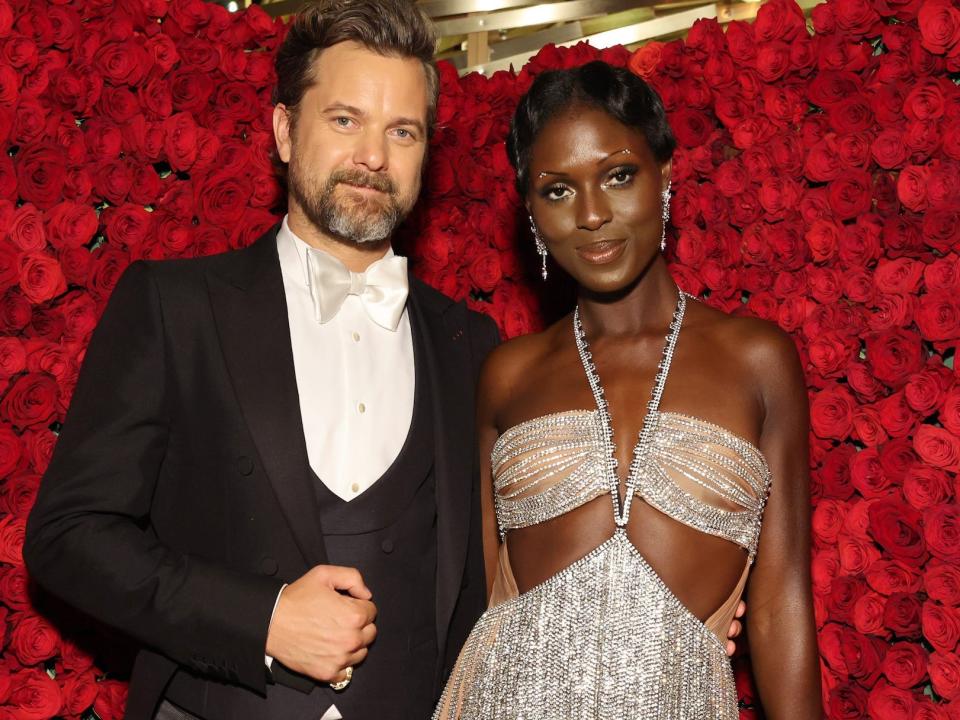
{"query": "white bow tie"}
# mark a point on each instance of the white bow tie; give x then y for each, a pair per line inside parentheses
(382, 288)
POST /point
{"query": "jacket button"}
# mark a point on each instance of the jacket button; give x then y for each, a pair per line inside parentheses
(387, 546)
(269, 566)
(244, 465)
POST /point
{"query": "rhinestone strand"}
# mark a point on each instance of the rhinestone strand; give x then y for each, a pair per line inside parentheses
(622, 516)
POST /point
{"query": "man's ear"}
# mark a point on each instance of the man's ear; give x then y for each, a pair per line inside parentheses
(281, 131)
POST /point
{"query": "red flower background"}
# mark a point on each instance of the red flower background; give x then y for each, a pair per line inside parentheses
(817, 184)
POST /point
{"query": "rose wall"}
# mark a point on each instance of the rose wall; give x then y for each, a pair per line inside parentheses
(817, 184)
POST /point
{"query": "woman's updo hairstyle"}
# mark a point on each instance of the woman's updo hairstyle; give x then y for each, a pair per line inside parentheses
(614, 90)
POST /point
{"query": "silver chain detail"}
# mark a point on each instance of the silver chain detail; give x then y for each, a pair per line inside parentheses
(622, 516)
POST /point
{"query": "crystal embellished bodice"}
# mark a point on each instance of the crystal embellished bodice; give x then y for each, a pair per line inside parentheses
(605, 637)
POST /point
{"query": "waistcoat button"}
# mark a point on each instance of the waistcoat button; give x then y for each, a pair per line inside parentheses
(387, 546)
(269, 566)
(244, 465)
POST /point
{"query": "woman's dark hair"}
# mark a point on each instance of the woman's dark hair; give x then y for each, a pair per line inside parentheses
(614, 90)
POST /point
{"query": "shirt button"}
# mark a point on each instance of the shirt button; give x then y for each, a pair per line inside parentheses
(356, 337)
(355, 487)
(361, 408)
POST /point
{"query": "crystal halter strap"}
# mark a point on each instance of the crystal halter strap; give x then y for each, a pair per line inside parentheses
(621, 515)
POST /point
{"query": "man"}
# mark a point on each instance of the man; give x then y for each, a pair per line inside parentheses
(300, 411)
(265, 443)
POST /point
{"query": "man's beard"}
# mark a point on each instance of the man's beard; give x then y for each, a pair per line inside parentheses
(352, 218)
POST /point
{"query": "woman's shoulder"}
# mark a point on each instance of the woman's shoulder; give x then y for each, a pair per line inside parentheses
(761, 347)
(514, 362)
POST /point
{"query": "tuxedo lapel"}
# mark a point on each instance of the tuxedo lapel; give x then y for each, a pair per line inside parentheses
(249, 306)
(442, 325)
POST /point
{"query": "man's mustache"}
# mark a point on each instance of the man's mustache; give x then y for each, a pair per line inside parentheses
(359, 178)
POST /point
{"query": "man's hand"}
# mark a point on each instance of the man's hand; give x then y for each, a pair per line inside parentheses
(736, 627)
(319, 631)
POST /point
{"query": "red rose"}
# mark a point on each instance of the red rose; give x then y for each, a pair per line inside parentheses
(827, 521)
(831, 412)
(856, 555)
(31, 401)
(40, 277)
(895, 355)
(938, 447)
(111, 699)
(905, 665)
(863, 383)
(180, 143)
(11, 452)
(834, 474)
(40, 173)
(941, 229)
(850, 194)
(74, 658)
(70, 225)
(12, 531)
(485, 270)
(925, 487)
(897, 529)
(938, 315)
(856, 18)
(33, 639)
(868, 615)
(845, 590)
(902, 615)
(831, 647)
(26, 229)
(942, 531)
(939, 26)
(941, 580)
(222, 198)
(107, 266)
(887, 702)
(867, 474)
(79, 692)
(122, 63)
(897, 417)
(940, 626)
(14, 582)
(19, 493)
(34, 695)
(912, 187)
(862, 655)
(847, 702)
(945, 674)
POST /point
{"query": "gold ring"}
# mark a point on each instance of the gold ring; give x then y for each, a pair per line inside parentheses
(342, 684)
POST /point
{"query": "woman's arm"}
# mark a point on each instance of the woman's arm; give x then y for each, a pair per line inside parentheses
(780, 624)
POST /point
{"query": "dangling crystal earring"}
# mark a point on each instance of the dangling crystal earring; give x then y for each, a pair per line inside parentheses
(541, 247)
(665, 200)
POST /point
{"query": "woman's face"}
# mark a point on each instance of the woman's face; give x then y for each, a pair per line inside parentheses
(595, 195)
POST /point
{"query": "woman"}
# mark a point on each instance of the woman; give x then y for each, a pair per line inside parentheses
(617, 566)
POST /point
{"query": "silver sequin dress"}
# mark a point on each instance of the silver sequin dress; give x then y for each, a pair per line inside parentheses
(605, 638)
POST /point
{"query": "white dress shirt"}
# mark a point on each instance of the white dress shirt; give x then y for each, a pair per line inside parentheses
(355, 380)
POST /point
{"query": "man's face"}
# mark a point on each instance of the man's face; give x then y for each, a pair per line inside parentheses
(357, 148)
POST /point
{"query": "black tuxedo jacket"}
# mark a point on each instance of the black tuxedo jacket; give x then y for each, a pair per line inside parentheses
(179, 501)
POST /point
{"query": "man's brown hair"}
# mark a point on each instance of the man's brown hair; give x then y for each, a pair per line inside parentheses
(388, 27)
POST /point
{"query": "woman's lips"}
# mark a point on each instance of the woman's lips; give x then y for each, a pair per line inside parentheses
(602, 251)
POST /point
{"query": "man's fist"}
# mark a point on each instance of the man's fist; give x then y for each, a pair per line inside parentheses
(323, 623)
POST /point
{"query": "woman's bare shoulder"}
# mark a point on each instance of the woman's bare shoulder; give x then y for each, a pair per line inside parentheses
(515, 362)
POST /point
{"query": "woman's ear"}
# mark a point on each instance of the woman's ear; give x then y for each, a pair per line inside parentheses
(666, 172)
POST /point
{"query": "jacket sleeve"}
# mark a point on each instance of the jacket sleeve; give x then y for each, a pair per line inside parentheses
(88, 537)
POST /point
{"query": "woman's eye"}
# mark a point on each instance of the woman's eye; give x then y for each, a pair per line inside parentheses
(620, 177)
(556, 192)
